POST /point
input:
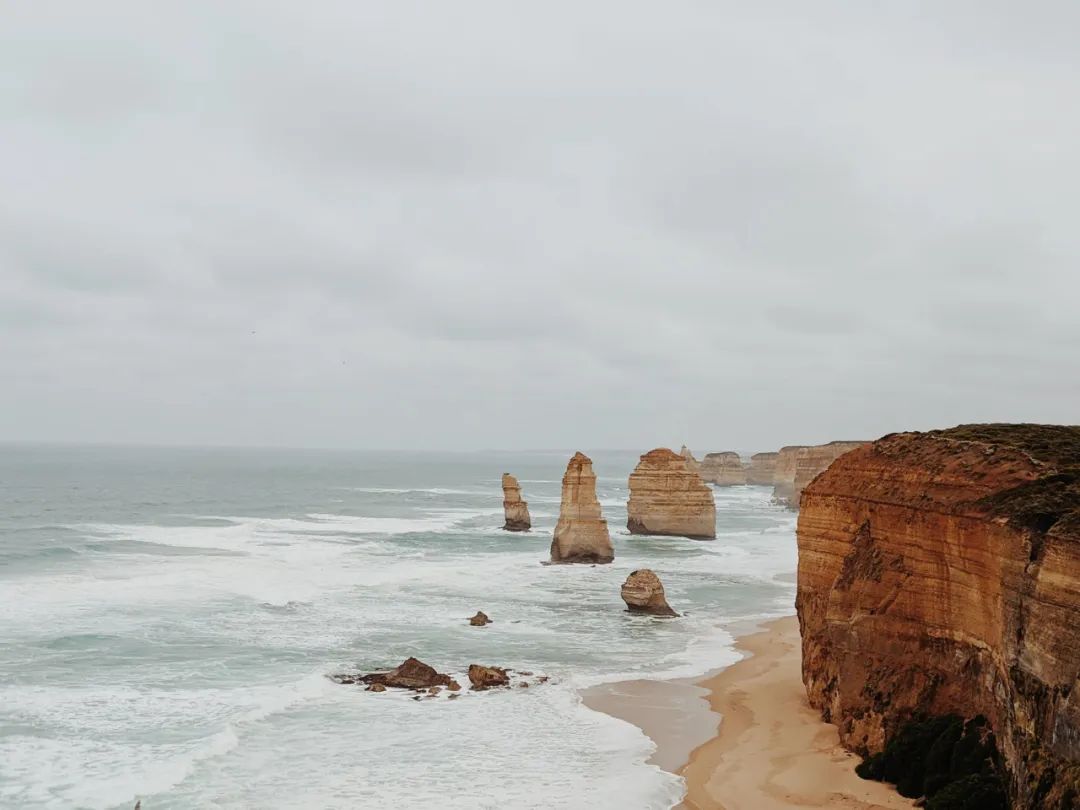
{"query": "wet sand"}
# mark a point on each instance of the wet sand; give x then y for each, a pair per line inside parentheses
(771, 751)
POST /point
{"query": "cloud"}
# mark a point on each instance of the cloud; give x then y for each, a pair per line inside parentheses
(486, 225)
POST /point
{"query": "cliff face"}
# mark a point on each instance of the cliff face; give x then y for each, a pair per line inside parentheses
(784, 473)
(939, 573)
(515, 510)
(810, 462)
(666, 497)
(723, 469)
(581, 535)
(762, 469)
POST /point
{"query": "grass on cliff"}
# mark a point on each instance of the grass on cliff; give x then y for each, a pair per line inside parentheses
(1052, 501)
(953, 763)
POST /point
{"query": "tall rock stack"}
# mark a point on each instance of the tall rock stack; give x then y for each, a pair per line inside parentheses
(762, 469)
(939, 574)
(581, 535)
(723, 469)
(784, 474)
(812, 461)
(515, 509)
(668, 498)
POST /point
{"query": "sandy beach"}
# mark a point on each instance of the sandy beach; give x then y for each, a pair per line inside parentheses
(771, 750)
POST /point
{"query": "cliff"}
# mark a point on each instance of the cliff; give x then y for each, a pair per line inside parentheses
(810, 462)
(939, 574)
(581, 535)
(666, 497)
(515, 510)
(784, 473)
(723, 469)
(691, 462)
(762, 469)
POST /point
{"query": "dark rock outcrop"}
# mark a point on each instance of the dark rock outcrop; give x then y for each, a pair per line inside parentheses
(482, 677)
(410, 674)
(480, 619)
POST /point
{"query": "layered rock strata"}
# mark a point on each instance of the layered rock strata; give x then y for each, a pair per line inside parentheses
(581, 535)
(410, 674)
(939, 574)
(723, 469)
(762, 469)
(668, 498)
(810, 462)
(691, 462)
(784, 473)
(515, 509)
(644, 593)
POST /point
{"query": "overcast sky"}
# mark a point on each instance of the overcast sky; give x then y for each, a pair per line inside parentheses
(536, 225)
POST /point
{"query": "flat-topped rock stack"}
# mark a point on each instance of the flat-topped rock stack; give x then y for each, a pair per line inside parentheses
(784, 473)
(762, 469)
(723, 469)
(668, 498)
(515, 509)
(581, 535)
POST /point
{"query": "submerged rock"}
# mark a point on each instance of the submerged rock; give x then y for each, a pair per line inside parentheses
(480, 619)
(644, 593)
(410, 674)
(515, 510)
(581, 535)
(483, 677)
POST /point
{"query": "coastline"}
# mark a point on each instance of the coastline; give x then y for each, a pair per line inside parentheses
(744, 737)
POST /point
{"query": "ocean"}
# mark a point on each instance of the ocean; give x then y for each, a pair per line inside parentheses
(170, 617)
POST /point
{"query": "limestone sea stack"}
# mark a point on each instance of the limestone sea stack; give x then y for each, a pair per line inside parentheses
(939, 576)
(723, 469)
(668, 498)
(515, 509)
(784, 473)
(644, 593)
(762, 469)
(581, 535)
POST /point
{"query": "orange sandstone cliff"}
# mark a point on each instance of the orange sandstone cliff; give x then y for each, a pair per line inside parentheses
(669, 498)
(762, 469)
(939, 574)
(784, 473)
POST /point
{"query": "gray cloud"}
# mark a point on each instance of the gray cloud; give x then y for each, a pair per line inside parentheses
(487, 224)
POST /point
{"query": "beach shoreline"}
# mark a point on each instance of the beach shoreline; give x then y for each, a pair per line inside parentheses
(744, 736)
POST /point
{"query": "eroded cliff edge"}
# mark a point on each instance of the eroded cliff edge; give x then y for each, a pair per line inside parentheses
(939, 573)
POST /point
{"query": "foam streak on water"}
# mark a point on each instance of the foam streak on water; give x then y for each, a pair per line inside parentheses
(171, 615)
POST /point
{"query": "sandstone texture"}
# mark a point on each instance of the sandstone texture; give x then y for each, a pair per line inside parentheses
(723, 469)
(784, 473)
(644, 593)
(939, 574)
(668, 498)
(515, 509)
(581, 535)
(810, 462)
(691, 462)
(762, 469)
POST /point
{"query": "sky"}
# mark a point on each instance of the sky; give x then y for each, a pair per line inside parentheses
(509, 225)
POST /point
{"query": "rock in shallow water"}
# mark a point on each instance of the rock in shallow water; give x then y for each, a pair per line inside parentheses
(480, 619)
(644, 593)
(515, 510)
(410, 674)
(483, 677)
